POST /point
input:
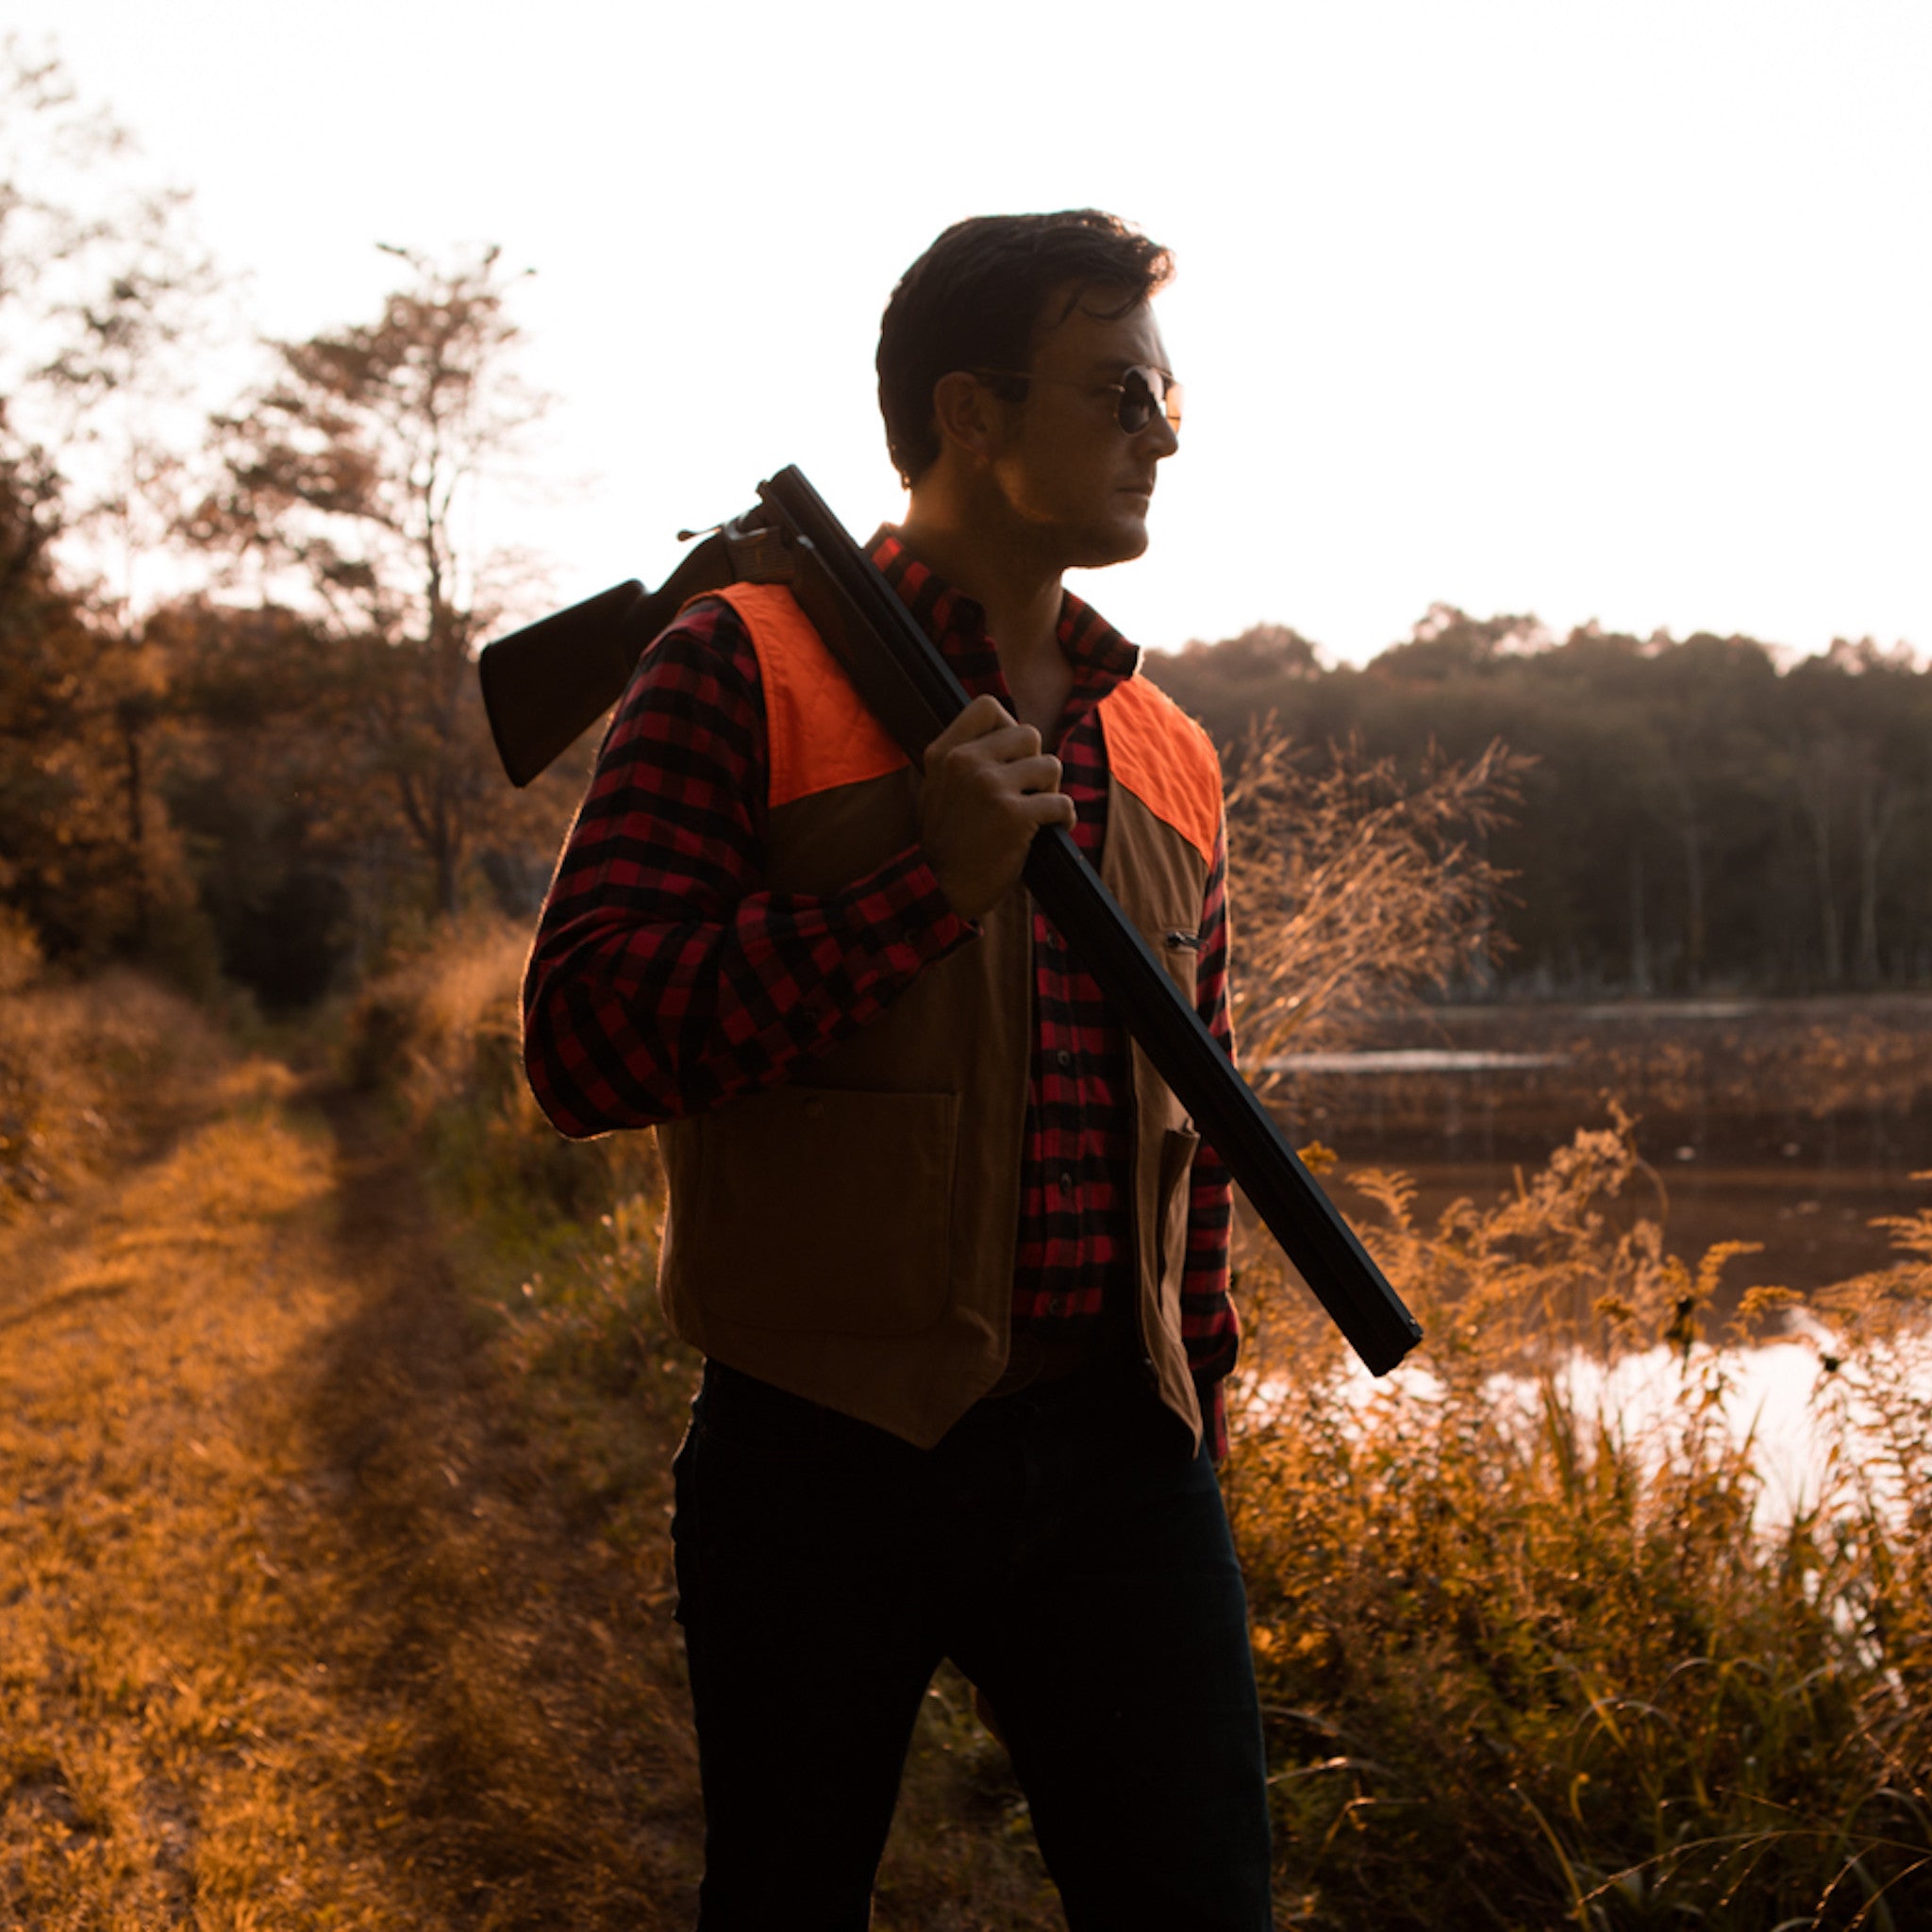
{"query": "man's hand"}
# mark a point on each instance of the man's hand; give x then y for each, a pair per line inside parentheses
(988, 789)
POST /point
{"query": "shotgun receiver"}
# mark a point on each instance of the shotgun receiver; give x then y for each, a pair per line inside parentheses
(543, 685)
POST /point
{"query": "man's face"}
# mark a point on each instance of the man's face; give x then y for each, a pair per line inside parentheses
(1073, 480)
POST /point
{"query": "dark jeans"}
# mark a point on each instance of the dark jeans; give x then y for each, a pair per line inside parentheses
(1064, 1550)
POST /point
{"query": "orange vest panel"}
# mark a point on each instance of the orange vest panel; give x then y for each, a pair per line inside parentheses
(820, 735)
(1165, 759)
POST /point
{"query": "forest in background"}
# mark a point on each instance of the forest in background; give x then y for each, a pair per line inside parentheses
(1698, 813)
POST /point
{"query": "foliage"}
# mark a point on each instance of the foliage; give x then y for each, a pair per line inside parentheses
(97, 285)
(441, 1030)
(77, 1063)
(100, 285)
(244, 766)
(1356, 889)
(345, 481)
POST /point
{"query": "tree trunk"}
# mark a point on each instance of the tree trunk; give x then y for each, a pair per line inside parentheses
(1814, 793)
(1877, 810)
(1691, 832)
(137, 857)
(1639, 948)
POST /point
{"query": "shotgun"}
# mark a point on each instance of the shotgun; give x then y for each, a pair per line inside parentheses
(546, 684)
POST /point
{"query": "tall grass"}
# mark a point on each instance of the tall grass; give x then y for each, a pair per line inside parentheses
(86, 1071)
(1530, 1653)
(1533, 1652)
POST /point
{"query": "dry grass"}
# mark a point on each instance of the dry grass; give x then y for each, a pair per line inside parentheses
(85, 1072)
(1357, 888)
(1528, 1663)
(162, 1707)
(295, 1629)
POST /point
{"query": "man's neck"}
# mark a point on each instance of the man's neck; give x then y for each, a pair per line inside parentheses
(1021, 597)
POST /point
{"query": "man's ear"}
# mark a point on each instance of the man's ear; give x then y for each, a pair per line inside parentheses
(968, 416)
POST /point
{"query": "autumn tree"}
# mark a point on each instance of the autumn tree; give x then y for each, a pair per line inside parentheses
(99, 286)
(345, 481)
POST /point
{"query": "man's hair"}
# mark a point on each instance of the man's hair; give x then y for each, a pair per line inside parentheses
(974, 300)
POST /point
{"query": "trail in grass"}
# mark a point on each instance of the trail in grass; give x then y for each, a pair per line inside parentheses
(297, 1626)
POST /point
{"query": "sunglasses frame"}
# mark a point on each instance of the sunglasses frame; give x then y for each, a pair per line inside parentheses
(1162, 392)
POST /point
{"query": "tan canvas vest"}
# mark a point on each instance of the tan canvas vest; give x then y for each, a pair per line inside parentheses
(850, 1235)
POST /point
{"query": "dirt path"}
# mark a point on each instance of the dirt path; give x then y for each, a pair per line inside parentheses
(298, 1627)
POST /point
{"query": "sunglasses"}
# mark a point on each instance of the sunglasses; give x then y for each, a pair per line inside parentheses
(1144, 393)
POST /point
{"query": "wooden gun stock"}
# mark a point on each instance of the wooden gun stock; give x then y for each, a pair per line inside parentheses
(544, 685)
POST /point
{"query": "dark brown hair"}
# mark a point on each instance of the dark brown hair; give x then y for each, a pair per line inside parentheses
(974, 301)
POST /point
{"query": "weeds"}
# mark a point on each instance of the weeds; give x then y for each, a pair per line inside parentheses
(1359, 885)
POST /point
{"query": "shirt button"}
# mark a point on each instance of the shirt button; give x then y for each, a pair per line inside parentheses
(1066, 1184)
(1065, 1058)
(1056, 1304)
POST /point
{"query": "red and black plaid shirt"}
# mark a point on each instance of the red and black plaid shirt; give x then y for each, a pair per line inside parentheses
(666, 978)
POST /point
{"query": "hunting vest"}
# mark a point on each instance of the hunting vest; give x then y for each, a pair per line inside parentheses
(850, 1235)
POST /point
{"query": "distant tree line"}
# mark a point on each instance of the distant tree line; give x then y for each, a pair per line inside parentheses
(1695, 815)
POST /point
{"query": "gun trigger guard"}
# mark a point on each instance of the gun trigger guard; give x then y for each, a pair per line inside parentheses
(759, 551)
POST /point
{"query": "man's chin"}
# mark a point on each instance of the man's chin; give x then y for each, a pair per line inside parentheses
(1120, 543)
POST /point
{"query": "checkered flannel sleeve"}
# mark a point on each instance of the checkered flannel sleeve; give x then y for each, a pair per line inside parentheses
(1209, 1327)
(665, 979)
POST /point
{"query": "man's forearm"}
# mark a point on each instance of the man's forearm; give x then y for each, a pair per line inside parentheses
(628, 1021)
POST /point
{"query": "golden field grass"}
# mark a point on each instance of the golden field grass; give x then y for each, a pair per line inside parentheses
(336, 1422)
(296, 1630)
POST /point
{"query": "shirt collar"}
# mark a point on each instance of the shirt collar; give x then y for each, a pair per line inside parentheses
(1100, 656)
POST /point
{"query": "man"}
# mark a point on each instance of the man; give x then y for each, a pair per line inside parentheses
(956, 1262)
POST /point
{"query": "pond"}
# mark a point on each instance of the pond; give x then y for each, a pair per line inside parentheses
(1793, 1123)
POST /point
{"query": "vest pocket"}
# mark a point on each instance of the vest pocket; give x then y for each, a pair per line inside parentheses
(822, 1208)
(1178, 1147)
(1177, 943)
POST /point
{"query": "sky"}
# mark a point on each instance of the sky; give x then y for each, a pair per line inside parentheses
(1595, 311)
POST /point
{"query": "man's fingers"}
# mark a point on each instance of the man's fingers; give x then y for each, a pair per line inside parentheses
(994, 779)
(1039, 773)
(1046, 809)
(984, 715)
(1004, 745)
